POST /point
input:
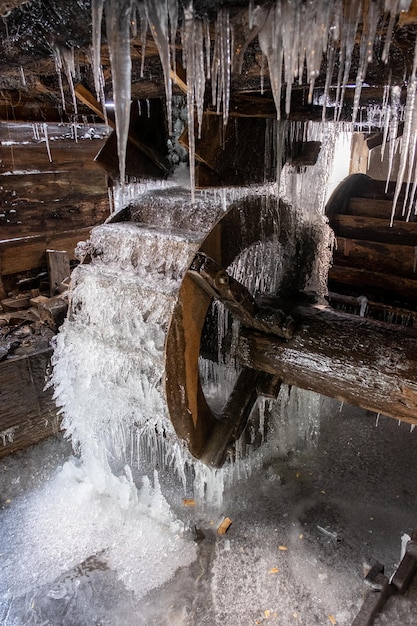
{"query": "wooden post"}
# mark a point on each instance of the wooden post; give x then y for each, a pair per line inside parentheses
(58, 269)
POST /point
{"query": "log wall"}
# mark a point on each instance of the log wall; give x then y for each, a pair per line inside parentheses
(47, 199)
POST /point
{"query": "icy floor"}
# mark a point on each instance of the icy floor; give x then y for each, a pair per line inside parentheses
(304, 528)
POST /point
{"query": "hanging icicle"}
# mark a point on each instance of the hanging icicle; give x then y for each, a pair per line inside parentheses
(162, 18)
(193, 60)
(118, 37)
(409, 139)
(221, 66)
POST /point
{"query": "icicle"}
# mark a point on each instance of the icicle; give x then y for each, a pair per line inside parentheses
(67, 55)
(363, 304)
(412, 427)
(99, 82)
(173, 22)
(270, 41)
(45, 134)
(377, 419)
(96, 19)
(158, 17)
(366, 51)
(118, 37)
(143, 31)
(193, 59)
(391, 128)
(23, 77)
(58, 67)
(409, 133)
(221, 65)
(244, 28)
(347, 43)
(208, 47)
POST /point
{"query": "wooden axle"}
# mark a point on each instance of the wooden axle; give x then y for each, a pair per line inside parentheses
(359, 361)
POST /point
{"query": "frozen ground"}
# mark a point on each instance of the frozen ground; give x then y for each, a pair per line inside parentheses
(304, 527)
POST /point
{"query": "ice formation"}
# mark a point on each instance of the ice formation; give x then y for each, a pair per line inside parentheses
(295, 37)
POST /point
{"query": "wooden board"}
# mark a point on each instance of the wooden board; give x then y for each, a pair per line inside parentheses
(373, 207)
(373, 284)
(380, 257)
(30, 252)
(37, 218)
(28, 413)
(375, 229)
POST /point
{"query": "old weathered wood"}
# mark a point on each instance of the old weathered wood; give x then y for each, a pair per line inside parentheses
(24, 254)
(87, 98)
(235, 414)
(53, 311)
(58, 269)
(53, 185)
(376, 310)
(366, 281)
(237, 298)
(378, 592)
(28, 413)
(375, 229)
(190, 414)
(29, 217)
(386, 258)
(237, 152)
(372, 207)
(358, 361)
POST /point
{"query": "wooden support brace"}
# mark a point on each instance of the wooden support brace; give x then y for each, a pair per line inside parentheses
(236, 412)
(220, 285)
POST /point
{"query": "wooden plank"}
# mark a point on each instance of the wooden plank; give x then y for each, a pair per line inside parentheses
(375, 284)
(58, 269)
(28, 413)
(20, 255)
(374, 229)
(380, 257)
(34, 218)
(356, 360)
(372, 207)
(67, 155)
(53, 185)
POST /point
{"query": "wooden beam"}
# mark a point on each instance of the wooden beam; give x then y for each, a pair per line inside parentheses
(375, 229)
(385, 258)
(356, 360)
(376, 283)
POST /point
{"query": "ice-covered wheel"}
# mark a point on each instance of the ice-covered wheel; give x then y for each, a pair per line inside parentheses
(207, 438)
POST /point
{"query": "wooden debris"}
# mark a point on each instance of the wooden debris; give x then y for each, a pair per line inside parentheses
(188, 502)
(53, 311)
(38, 300)
(16, 302)
(224, 526)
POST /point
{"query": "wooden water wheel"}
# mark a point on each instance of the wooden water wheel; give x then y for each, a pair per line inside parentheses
(363, 362)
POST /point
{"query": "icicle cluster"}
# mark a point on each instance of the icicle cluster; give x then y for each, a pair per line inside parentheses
(294, 37)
